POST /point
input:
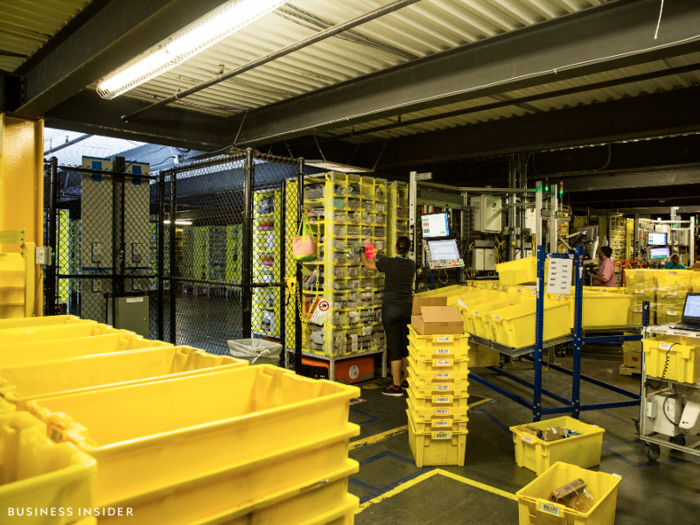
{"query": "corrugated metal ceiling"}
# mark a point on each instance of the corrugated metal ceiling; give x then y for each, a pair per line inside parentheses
(420, 30)
(26, 25)
(94, 146)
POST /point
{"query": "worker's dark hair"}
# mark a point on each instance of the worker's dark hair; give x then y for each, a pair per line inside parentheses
(607, 251)
(675, 257)
(403, 244)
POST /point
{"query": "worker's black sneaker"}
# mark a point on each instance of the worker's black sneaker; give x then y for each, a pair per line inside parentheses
(393, 390)
(404, 384)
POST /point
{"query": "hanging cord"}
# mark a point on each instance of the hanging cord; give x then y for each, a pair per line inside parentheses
(658, 24)
(447, 277)
(668, 361)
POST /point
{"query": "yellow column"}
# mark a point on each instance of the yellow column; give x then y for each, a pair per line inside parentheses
(22, 183)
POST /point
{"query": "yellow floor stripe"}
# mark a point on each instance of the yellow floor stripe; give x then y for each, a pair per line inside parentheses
(397, 490)
(371, 386)
(478, 485)
(378, 438)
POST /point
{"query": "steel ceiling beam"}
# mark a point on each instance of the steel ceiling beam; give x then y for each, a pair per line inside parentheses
(615, 35)
(625, 181)
(86, 112)
(651, 210)
(113, 35)
(660, 114)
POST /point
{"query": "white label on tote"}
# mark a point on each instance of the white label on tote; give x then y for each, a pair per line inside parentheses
(550, 509)
(446, 399)
(441, 422)
(443, 362)
(442, 387)
(443, 339)
(664, 346)
(441, 435)
(672, 313)
(442, 375)
(527, 438)
(442, 411)
(496, 317)
(442, 350)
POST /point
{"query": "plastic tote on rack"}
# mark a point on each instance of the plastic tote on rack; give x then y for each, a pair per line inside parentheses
(257, 351)
(304, 245)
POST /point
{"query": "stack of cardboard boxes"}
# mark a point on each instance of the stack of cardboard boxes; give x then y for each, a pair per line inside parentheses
(438, 383)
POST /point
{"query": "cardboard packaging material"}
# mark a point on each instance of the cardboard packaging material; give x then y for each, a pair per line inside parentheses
(554, 434)
(438, 320)
(574, 495)
(420, 302)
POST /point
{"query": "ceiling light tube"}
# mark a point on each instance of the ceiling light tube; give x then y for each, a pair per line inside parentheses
(186, 43)
(180, 223)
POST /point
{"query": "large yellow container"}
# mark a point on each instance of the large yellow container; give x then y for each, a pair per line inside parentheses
(537, 455)
(632, 354)
(519, 272)
(457, 387)
(33, 322)
(444, 376)
(536, 509)
(22, 383)
(21, 353)
(434, 413)
(467, 308)
(515, 326)
(468, 298)
(447, 291)
(436, 346)
(9, 336)
(231, 494)
(477, 318)
(37, 473)
(671, 360)
(437, 447)
(442, 364)
(430, 399)
(163, 433)
(302, 504)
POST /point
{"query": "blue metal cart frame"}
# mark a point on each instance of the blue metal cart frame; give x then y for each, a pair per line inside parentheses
(572, 405)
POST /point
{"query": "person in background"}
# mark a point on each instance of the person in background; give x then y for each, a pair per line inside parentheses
(396, 308)
(675, 263)
(606, 272)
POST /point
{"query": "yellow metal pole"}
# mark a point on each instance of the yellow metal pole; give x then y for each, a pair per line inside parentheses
(22, 185)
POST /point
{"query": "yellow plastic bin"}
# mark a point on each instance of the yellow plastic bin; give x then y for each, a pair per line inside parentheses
(478, 318)
(671, 360)
(467, 299)
(515, 326)
(537, 455)
(536, 509)
(165, 433)
(37, 473)
(437, 447)
(35, 322)
(431, 412)
(603, 310)
(21, 353)
(280, 475)
(447, 291)
(434, 388)
(9, 336)
(344, 515)
(442, 364)
(519, 272)
(22, 383)
(435, 377)
(449, 399)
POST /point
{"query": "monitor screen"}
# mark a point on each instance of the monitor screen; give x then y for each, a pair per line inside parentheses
(660, 253)
(444, 250)
(657, 239)
(435, 225)
(692, 306)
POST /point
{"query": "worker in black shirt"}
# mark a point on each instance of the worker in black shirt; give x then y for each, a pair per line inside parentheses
(396, 308)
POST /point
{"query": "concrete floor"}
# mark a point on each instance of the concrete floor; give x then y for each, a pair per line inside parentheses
(394, 491)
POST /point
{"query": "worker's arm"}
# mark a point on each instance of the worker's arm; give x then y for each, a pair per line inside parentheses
(367, 263)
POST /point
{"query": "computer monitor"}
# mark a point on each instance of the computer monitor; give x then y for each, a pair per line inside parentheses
(657, 239)
(435, 225)
(691, 310)
(445, 250)
(660, 253)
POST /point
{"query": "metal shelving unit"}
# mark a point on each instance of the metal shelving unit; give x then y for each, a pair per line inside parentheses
(572, 405)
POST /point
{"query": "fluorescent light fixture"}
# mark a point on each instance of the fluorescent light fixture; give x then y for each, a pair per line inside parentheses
(336, 166)
(180, 223)
(186, 43)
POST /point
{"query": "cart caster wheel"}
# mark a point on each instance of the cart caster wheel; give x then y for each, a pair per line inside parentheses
(678, 440)
(653, 452)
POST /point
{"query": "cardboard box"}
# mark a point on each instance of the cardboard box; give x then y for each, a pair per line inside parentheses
(554, 434)
(420, 302)
(567, 489)
(438, 320)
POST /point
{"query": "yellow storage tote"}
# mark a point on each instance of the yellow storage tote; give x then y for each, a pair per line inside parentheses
(673, 361)
(441, 364)
(34, 322)
(632, 354)
(430, 388)
(603, 310)
(438, 447)
(438, 400)
(467, 298)
(163, 433)
(231, 494)
(536, 509)
(430, 412)
(519, 272)
(444, 292)
(428, 425)
(22, 383)
(537, 455)
(443, 376)
(478, 319)
(515, 326)
(54, 333)
(35, 472)
(20, 353)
